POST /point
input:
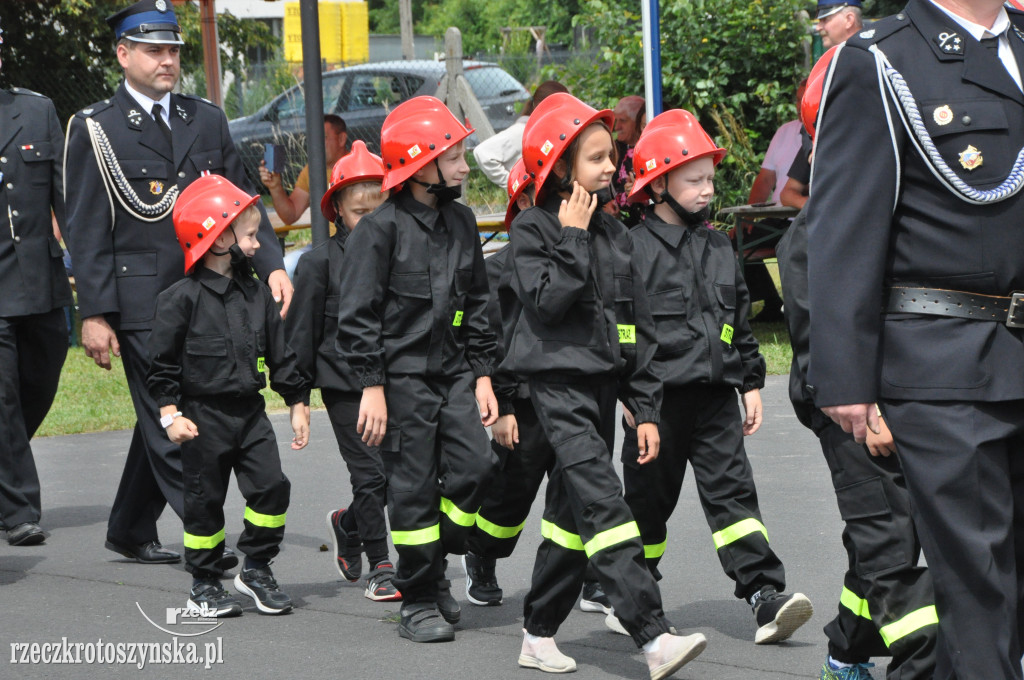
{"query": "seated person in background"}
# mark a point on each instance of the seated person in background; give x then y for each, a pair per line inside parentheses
(796, 189)
(289, 207)
(496, 155)
(775, 168)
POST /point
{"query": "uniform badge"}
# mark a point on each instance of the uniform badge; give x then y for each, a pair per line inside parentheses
(135, 117)
(27, 147)
(951, 43)
(868, 35)
(515, 186)
(181, 112)
(548, 146)
(943, 115)
(414, 151)
(971, 158)
(160, 5)
(156, 187)
(209, 223)
(651, 165)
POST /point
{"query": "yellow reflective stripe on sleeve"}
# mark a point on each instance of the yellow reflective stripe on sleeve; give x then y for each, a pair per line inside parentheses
(265, 521)
(727, 332)
(855, 604)
(458, 318)
(560, 536)
(737, 531)
(203, 542)
(610, 537)
(657, 550)
(925, 616)
(627, 334)
(417, 536)
(497, 530)
(463, 519)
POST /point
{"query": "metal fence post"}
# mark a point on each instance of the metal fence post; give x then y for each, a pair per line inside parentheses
(314, 97)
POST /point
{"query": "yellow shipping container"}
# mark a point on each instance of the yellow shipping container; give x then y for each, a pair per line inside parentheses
(344, 32)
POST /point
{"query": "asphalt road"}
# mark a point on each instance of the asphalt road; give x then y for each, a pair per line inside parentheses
(71, 590)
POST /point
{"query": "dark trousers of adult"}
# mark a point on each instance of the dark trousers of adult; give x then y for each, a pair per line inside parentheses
(887, 606)
(586, 517)
(32, 353)
(234, 434)
(702, 426)
(964, 467)
(152, 470)
(438, 465)
(507, 500)
(365, 467)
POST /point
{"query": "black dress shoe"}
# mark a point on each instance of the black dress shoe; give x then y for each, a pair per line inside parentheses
(26, 533)
(144, 553)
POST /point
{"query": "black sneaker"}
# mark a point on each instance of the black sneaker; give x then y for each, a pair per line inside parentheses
(446, 604)
(208, 598)
(379, 586)
(594, 599)
(348, 547)
(422, 622)
(228, 560)
(481, 584)
(778, 616)
(261, 586)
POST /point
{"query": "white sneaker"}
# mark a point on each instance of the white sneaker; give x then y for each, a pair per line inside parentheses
(614, 625)
(674, 652)
(544, 655)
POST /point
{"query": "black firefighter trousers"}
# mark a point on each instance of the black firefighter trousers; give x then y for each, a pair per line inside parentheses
(586, 517)
(887, 606)
(234, 434)
(702, 425)
(437, 464)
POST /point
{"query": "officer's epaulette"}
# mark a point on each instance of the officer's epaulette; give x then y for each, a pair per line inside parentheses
(21, 90)
(198, 99)
(93, 109)
(878, 30)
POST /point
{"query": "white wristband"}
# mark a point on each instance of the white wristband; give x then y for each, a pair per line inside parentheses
(165, 421)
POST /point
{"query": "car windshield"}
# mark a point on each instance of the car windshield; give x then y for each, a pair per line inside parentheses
(293, 103)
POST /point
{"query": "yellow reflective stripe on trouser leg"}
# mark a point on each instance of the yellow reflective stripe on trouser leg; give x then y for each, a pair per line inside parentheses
(560, 536)
(203, 542)
(457, 515)
(496, 530)
(925, 616)
(417, 536)
(857, 605)
(737, 531)
(610, 537)
(265, 521)
(656, 550)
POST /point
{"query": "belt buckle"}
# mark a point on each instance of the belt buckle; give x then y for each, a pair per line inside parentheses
(1015, 315)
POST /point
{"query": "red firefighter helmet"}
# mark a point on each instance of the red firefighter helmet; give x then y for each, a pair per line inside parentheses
(670, 140)
(359, 165)
(518, 180)
(416, 132)
(551, 128)
(203, 211)
(811, 101)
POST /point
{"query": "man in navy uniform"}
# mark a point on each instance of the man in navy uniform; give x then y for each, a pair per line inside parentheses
(130, 156)
(916, 253)
(33, 331)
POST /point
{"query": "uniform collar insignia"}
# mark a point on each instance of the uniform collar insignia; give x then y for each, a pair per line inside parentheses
(134, 117)
(950, 43)
(1020, 34)
(182, 113)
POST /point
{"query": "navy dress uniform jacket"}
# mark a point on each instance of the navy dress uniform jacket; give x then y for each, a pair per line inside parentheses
(584, 310)
(700, 303)
(32, 272)
(122, 263)
(416, 294)
(878, 216)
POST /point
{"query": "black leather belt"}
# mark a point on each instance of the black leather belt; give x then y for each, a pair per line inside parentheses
(958, 304)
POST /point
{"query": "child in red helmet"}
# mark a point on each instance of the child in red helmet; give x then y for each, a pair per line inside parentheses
(583, 340)
(706, 353)
(213, 333)
(311, 329)
(413, 325)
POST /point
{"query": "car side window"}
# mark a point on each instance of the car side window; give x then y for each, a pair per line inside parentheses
(292, 104)
(370, 91)
(490, 82)
(332, 93)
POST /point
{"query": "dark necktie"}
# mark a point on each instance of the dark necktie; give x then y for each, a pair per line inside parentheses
(159, 119)
(992, 44)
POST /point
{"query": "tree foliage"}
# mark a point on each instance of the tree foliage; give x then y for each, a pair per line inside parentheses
(481, 22)
(733, 63)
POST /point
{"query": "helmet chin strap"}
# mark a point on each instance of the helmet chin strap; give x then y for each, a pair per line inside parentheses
(604, 196)
(690, 219)
(444, 193)
(228, 251)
